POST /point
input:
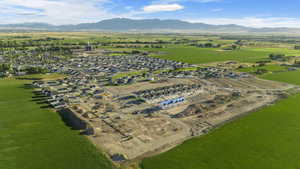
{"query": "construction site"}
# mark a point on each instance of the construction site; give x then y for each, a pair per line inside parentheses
(136, 120)
(139, 115)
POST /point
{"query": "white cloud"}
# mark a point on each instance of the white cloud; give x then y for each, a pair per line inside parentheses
(162, 8)
(257, 22)
(53, 11)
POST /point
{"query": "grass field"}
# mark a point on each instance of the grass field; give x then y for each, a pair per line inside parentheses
(267, 139)
(196, 55)
(51, 76)
(292, 77)
(270, 68)
(32, 137)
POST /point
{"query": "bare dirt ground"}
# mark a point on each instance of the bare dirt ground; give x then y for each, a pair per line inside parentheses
(148, 135)
(119, 131)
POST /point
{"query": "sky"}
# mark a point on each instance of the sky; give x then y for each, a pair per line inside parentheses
(254, 13)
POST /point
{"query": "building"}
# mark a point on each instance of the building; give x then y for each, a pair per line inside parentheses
(88, 47)
(171, 102)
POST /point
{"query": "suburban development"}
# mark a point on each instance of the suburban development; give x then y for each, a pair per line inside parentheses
(127, 93)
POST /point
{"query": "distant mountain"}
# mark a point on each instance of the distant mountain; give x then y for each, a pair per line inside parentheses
(146, 25)
(123, 24)
(29, 25)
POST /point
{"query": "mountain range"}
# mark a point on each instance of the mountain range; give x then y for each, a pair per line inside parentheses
(145, 25)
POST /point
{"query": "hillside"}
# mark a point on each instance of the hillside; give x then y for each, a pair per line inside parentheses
(146, 25)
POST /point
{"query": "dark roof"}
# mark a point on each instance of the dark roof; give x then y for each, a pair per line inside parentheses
(118, 157)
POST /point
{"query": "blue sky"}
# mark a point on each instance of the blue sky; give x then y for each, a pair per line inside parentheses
(255, 13)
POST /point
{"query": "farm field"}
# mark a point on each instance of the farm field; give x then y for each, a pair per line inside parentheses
(196, 55)
(287, 77)
(270, 68)
(267, 139)
(32, 137)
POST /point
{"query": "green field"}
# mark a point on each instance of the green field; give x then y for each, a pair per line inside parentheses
(196, 55)
(292, 77)
(32, 137)
(270, 68)
(267, 139)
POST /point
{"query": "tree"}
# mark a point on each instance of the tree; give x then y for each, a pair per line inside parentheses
(36, 70)
(234, 47)
(135, 52)
(208, 45)
(280, 57)
(5, 67)
(261, 71)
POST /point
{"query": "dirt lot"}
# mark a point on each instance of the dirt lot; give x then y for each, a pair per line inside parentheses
(117, 130)
(147, 134)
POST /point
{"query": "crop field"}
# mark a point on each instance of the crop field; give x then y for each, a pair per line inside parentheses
(270, 68)
(287, 77)
(32, 137)
(196, 55)
(267, 139)
(290, 52)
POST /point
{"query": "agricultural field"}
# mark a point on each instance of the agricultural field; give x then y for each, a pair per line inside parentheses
(34, 137)
(291, 77)
(174, 46)
(196, 55)
(270, 68)
(268, 139)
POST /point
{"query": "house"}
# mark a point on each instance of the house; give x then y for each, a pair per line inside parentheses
(292, 69)
(20, 73)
